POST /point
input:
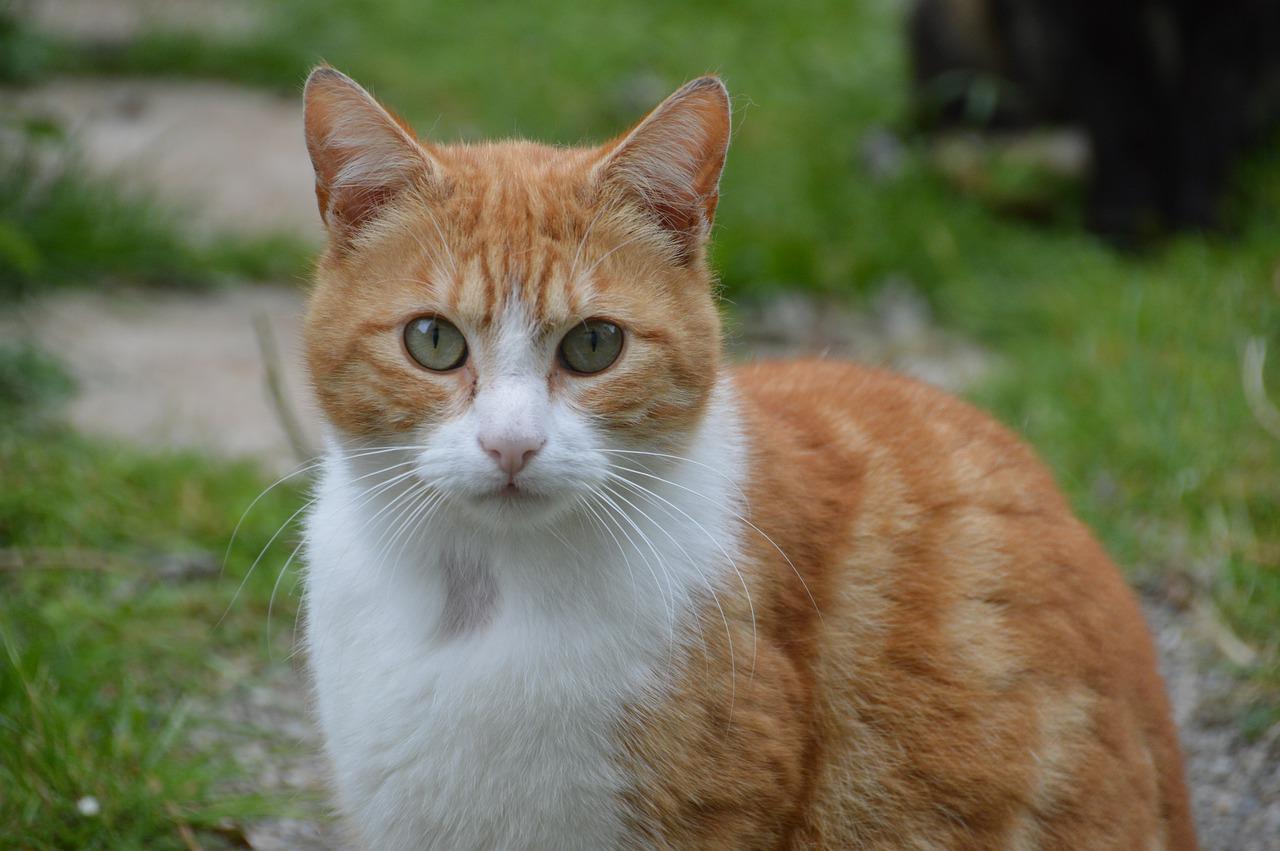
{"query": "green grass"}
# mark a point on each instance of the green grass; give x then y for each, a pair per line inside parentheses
(60, 227)
(107, 663)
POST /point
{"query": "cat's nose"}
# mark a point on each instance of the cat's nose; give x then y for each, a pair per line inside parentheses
(511, 452)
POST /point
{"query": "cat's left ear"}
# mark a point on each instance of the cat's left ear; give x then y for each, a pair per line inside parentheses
(670, 162)
(362, 154)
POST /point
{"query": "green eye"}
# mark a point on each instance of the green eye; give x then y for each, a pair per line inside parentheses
(591, 346)
(435, 343)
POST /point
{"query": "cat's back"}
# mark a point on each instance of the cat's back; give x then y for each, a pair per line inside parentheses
(983, 674)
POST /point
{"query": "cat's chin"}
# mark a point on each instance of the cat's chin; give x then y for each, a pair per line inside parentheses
(512, 508)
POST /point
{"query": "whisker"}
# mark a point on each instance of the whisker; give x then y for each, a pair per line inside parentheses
(261, 553)
(271, 601)
(697, 622)
(728, 632)
(658, 501)
(721, 473)
(412, 524)
(668, 598)
(586, 502)
(307, 467)
(421, 504)
(303, 468)
(582, 242)
(369, 494)
(744, 520)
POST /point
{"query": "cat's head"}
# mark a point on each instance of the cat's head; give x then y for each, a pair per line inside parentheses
(520, 314)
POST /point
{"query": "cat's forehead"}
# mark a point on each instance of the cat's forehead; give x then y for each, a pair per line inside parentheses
(515, 186)
(516, 228)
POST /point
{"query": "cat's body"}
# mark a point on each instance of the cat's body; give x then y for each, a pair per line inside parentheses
(660, 602)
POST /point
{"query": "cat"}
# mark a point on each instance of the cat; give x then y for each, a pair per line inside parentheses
(574, 582)
(1171, 93)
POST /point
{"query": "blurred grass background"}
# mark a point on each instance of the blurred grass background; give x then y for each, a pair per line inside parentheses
(1124, 370)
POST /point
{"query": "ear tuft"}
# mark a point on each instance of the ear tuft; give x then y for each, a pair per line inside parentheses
(362, 154)
(671, 161)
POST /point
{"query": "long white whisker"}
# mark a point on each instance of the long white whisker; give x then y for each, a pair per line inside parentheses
(412, 524)
(261, 553)
(668, 598)
(392, 526)
(728, 632)
(658, 501)
(697, 622)
(369, 494)
(417, 507)
(721, 473)
(271, 601)
(304, 468)
(590, 512)
(741, 518)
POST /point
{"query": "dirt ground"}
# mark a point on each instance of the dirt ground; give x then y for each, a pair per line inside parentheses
(187, 370)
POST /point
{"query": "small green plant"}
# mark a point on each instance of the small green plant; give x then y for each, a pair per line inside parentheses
(118, 639)
(60, 227)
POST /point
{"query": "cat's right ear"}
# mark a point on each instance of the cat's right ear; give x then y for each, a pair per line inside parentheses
(363, 155)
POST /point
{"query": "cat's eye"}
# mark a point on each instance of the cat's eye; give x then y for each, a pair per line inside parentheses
(591, 346)
(435, 343)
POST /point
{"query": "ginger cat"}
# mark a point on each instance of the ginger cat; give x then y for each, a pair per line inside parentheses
(575, 582)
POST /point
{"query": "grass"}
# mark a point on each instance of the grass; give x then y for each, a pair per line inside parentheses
(60, 227)
(1123, 370)
(107, 664)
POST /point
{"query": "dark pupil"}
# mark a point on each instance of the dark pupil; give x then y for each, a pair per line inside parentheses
(595, 339)
(435, 335)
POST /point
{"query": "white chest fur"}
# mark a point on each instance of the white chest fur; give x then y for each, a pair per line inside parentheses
(470, 687)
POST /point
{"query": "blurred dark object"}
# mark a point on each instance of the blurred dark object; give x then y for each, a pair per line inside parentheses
(1170, 92)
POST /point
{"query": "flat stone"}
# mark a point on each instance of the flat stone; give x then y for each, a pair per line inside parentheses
(121, 20)
(231, 159)
(178, 370)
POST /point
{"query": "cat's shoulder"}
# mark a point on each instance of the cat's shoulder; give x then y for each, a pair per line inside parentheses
(836, 417)
(877, 399)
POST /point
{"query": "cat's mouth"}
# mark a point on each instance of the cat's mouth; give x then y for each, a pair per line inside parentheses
(513, 493)
(516, 504)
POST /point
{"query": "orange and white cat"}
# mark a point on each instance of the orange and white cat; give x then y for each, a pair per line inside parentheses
(574, 582)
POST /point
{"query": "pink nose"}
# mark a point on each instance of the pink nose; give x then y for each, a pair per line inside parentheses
(511, 454)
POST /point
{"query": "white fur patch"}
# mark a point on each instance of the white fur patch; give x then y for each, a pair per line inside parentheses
(489, 720)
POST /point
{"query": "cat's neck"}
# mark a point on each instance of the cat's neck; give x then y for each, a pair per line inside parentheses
(653, 543)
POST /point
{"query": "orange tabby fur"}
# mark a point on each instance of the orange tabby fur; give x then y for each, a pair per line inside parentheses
(944, 657)
(979, 675)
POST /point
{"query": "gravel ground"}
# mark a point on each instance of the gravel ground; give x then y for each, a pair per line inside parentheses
(1234, 781)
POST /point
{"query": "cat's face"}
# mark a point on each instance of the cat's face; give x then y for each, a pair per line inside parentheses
(523, 316)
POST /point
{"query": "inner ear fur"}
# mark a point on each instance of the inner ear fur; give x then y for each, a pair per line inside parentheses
(363, 155)
(670, 163)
